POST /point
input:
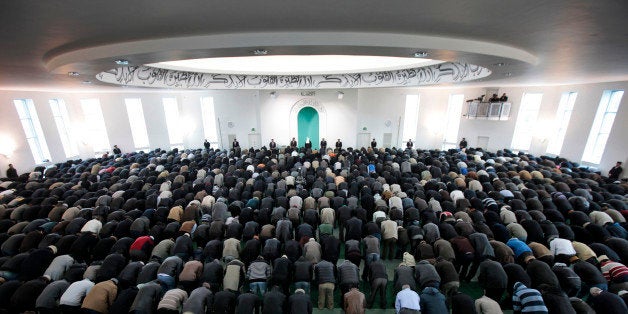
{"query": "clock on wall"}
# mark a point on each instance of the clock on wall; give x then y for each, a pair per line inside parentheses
(230, 124)
(388, 123)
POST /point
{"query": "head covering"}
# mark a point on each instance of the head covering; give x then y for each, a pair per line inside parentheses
(602, 258)
(53, 248)
(299, 291)
(595, 291)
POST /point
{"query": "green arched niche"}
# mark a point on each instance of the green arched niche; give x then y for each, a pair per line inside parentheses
(308, 126)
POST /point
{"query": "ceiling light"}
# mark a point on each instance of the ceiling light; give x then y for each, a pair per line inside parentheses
(122, 62)
(72, 73)
(87, 82)
(341, 95)
(260, 52)
(508, 74)
(295, 64)
(273, 95)
(421, 54)
(500, 64)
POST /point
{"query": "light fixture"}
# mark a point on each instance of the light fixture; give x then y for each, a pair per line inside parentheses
(499, 64)
(508, 74)
(295, 64)
(72, 73)
(273, 95)
(87, 82)
(260, 52)
(308, 93)
(341, 95)
(421, 54)
(122, 62)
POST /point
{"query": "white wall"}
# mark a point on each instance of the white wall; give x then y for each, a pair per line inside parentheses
(345, 118)
(580, 123)
(340, 122)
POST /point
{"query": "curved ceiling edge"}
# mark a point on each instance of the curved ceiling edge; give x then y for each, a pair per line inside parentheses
(155, 48)
(144, 76)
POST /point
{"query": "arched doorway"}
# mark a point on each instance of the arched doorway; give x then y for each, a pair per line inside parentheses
(308, 126)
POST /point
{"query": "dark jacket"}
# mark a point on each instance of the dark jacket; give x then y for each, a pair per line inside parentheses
(199, 301)
(247, 303)
(300, 303)
(111, 267)
(556, 300)
(213, 272)
(588, 273)
(462, 304)
(303, 270)
(348, 273)
(49, 297)
(447, 271)
(432, 301)
(274, 302)
(123, 302)
(282, 270)
(183, 245)
(377, 269)
(25, 296)
(36, 263)
(147, 298)
(541, 273)
(609, 303)
(492, 275)
(426, 273)
(325, 272)
(569, 280)
(224, 302)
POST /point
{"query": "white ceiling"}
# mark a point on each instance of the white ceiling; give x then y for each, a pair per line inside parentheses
(541, 42)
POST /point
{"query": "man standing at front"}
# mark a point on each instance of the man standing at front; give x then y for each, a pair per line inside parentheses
(407, 301)
(325, 275)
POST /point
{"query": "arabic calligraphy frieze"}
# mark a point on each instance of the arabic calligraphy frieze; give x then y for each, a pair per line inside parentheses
(448, 72)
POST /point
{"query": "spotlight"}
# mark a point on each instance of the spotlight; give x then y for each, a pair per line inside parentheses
(260, 52)
(341, 95)
(72, 73)
(500, 64)
(87, 82)
(122, 62)
(421, 54)
(508, 74)
(273, 95)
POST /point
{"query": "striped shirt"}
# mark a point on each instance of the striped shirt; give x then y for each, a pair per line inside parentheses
(173, 299)
(527, 300)
(614, 272)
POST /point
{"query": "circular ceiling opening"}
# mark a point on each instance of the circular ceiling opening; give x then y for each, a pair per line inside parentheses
(295, 64)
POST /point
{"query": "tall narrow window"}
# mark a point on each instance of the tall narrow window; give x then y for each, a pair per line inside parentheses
(32, 129)
(411, 118)
(136, 120)
(95, 129)
(171, 109)
(526, 121)
(563, 114)
(209, 120)
(62, 120)
(454, 111)
(606, 111)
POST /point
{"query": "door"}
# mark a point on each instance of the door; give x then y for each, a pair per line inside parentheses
(308, 123)
(483, 142)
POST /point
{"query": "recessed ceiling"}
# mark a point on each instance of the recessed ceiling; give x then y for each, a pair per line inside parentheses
(556, 42)
(294, 65)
